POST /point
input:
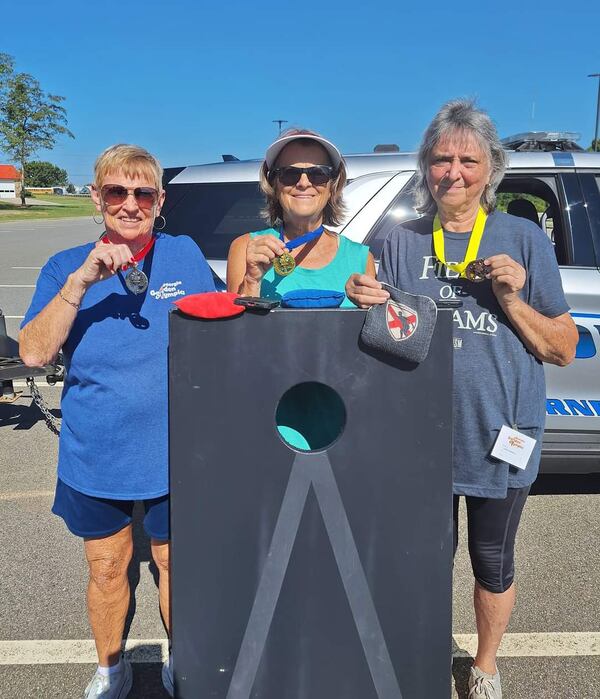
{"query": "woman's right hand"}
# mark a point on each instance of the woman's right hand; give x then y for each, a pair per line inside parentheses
(260, 253)
(103, 262)
(365, 291)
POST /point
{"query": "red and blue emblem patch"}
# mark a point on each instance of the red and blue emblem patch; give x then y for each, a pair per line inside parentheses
(401, 320)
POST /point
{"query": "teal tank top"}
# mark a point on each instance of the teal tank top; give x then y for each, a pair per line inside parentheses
(351, 258)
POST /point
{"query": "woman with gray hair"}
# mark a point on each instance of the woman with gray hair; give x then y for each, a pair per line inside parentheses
(302, 178)
(514, 316)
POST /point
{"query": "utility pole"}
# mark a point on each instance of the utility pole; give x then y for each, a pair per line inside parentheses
(596, 75)
(280, 122)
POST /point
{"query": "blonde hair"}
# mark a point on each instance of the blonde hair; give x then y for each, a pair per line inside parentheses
(334, 210)
(129, 160)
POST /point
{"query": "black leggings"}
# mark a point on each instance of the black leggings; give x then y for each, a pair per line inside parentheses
(492, 526)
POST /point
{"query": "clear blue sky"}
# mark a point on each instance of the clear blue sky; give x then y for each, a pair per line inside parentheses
(191, 79)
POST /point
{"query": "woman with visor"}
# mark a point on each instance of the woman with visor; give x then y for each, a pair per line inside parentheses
(106, 305)
(302, 177)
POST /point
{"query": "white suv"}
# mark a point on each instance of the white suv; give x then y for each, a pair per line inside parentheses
(558, 189)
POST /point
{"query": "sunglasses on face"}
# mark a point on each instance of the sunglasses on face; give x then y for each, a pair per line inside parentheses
(317, 174)
(116, 194)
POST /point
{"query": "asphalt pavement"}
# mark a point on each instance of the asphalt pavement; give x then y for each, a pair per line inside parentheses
(552, 650)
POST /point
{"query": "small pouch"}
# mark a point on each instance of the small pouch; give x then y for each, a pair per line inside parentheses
(402, 326)
(312, 298)
(210, 305)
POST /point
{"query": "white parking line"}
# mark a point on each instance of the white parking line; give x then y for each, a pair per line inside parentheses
(535, 645)
(154, 650)
(15, 317)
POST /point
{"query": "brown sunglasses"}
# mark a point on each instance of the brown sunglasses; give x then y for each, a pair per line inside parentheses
(116, 194)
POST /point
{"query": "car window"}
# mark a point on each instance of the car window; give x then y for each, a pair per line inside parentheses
(401, 209)
(214, 214)
(535, 199)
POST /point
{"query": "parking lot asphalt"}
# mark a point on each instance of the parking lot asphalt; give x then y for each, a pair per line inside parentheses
(552, 650)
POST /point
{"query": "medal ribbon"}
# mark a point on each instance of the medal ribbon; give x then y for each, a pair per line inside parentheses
(140, 254)
(306, 238)
(472, 247)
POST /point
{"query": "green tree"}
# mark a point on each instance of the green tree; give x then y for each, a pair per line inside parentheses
(30, 119)
(594, 146)
(70, 188)
(43, 174)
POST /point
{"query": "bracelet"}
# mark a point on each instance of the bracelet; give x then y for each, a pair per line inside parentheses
(71, 303)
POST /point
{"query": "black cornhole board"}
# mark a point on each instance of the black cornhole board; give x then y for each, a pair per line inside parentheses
(319, 575)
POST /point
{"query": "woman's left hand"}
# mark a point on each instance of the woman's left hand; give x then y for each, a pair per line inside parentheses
(508, 278)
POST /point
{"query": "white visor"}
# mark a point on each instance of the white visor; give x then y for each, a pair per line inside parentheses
(277, 146)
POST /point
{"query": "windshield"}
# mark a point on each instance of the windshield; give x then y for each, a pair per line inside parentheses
(214, 214)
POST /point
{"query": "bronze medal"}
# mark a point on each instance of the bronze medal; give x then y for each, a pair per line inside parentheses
(284, 264)
(476, 271)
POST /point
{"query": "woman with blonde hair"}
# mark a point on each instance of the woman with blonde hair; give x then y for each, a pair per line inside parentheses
(105, 305)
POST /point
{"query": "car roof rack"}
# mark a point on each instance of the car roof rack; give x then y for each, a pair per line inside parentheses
(543, 141)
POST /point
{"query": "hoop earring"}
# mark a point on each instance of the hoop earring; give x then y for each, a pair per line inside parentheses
(156, 228)
(98, 223)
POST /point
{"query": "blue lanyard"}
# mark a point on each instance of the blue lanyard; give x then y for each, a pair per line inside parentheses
(306, 238)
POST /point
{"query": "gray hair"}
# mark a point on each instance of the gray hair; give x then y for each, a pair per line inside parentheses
(463, 117)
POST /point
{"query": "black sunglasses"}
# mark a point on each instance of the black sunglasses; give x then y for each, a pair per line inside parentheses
(116, 194)
(317, 174)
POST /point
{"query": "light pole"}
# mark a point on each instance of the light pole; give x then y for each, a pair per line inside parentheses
(280, 122)
(596, 75)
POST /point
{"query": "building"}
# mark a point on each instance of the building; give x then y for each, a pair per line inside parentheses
(10, 182)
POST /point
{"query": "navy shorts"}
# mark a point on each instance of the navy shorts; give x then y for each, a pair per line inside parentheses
(89, 517)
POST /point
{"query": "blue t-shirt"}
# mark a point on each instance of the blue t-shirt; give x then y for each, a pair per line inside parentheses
(497, 381)
(114, 439)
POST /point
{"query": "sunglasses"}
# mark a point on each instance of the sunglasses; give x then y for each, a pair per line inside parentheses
(317, 174)
(116, 194)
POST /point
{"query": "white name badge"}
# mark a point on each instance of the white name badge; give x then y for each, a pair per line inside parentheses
(513, 447)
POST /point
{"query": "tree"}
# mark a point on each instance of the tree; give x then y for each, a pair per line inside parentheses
(30, 119)
(70, 188)
(43, 174)
(595, 146)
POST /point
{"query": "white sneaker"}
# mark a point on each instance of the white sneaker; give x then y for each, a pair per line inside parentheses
(484, 686)
(167, 677)
(115, 686)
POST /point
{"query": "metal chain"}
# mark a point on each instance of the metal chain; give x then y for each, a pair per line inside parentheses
(51, 422)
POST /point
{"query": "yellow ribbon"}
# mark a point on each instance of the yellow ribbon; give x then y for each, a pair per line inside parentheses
(472, 247)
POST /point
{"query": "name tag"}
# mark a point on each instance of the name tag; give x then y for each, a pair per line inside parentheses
(513, 447)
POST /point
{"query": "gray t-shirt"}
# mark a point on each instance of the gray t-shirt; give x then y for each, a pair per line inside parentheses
(496, 380)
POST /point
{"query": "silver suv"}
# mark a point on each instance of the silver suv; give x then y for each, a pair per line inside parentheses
(558, 189)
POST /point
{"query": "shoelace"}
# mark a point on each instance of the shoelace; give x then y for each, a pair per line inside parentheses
(483, 687)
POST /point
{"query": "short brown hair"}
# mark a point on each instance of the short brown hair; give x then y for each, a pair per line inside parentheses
(334, 210)
(130, 160)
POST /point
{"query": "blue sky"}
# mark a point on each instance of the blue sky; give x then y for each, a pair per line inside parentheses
(191, 80)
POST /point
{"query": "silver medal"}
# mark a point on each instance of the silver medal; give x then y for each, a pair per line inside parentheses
(136, 281)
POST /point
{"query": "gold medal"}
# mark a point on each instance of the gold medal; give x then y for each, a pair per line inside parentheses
(284, 264)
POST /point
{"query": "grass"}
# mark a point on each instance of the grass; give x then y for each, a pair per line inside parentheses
(66, 207)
